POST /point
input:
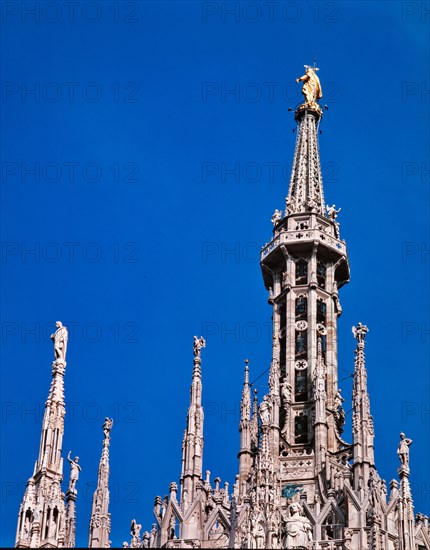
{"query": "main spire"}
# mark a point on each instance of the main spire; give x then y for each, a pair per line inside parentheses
(306, 187)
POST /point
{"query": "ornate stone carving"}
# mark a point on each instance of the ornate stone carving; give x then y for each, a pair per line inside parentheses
(301, 325)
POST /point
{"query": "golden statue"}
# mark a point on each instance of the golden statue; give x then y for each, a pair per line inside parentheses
(311, 88)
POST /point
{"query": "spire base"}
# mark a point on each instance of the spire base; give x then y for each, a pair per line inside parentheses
(312, 108)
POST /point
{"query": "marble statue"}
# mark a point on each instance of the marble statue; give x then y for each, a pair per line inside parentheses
(286, 390)
(360, 332)
(290, 205)
(199, 343)
(338, 400)
(277, 217)
(107, 426)
(27, 527)
(265, 410)
(332, 212)
(312, 87)
(298, 528)
(75, 468)
(153, 536)
(403, 449)
(135, 533)
(332, 215)
(60, 338)
(52, 527)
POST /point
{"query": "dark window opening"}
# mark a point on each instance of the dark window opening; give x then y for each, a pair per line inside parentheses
(321, 274)
(301, 344)
(301, 428)
(321, 311)
(301, 308)
(282, 334)
(302, 272)
(301, 386)
(331, 528)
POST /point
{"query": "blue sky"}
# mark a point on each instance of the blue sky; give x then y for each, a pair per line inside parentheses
(143, 237)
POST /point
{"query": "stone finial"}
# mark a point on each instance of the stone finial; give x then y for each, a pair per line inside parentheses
(199, 343)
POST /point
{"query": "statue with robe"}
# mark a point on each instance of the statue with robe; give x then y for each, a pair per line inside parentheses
(312, 87)
(60, 338)
(299, 529)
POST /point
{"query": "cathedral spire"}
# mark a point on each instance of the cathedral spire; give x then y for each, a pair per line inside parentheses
(245, 452)
(245, 404)
(42, 515)
(405, 503)
(192, 445)
(100, 516)
(362, 421)
(306, 186)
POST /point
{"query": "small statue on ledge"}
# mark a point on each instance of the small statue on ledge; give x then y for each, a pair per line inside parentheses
(332, 215)
(277, 217)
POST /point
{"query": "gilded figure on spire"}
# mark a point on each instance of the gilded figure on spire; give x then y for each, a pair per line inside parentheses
(311, 88)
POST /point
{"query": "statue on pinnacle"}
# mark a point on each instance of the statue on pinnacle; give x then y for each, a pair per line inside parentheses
(311, 89)
(403, 449)
(75, 468)
(60, 338)
(199, 343)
